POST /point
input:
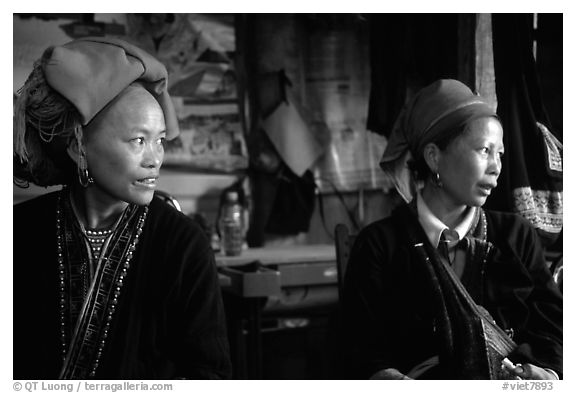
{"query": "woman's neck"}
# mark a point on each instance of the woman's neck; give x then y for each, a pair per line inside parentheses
(95, 210)
(442, 207)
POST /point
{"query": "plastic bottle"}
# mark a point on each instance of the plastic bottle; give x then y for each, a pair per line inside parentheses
(231, 225)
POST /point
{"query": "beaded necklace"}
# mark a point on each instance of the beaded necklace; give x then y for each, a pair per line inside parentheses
(96, 240)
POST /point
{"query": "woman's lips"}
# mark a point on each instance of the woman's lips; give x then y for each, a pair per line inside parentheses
(486, 189)
(147, 182)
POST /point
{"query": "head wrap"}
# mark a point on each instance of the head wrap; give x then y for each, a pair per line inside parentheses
(432, 113)
(91, 72)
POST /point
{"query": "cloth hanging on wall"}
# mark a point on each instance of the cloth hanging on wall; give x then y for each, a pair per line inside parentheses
(531, 180)
(283, 187)
(407, 52)
(293, 203)
(270, 48)
(285, 204)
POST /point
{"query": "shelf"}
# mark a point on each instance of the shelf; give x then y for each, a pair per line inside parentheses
(195, 169)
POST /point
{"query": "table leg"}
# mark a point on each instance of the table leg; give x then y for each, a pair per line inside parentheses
(254, 349)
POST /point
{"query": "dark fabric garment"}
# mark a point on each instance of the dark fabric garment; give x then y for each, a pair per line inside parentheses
(283, 204)
(293, 204)
(264, 187)
(407, 52)
(462, 346)
(390, 308)
(169, 322)
(520, 105)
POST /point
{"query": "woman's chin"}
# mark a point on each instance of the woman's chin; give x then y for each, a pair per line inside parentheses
(144, 200)
(479, 201)
(141, 198)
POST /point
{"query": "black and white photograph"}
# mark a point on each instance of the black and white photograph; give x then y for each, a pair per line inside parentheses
(288, 197)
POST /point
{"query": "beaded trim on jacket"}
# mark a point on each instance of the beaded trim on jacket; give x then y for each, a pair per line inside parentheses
(85, 318)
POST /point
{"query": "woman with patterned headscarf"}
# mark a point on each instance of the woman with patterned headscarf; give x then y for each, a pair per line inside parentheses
(443, 289)
(109, 282)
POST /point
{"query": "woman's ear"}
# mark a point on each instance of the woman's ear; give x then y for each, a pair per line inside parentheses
(431, 155)
(75, 150)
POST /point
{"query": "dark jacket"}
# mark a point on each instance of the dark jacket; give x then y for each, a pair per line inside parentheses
(389, 311)
(169, 321)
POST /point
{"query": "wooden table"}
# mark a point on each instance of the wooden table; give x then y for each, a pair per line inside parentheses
(260, 274)
(281, 255)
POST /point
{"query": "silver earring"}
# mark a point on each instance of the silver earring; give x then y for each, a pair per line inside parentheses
(437, 180)
(83, 176)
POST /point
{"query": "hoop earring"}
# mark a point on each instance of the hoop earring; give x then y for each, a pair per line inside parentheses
(437, 180)
(84, 177)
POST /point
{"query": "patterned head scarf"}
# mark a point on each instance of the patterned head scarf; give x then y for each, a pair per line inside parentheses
(89, 73)
(434, 112)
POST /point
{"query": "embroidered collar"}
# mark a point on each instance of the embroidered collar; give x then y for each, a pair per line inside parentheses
(433, 227)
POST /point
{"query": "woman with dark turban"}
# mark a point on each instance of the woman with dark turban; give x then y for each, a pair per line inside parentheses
(109, 282)
(443, 289)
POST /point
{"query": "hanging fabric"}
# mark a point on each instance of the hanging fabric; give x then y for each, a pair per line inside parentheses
(531, 180)
(407, 52)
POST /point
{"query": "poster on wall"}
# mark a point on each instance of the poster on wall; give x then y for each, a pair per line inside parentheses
(211, 138)
(198, 51)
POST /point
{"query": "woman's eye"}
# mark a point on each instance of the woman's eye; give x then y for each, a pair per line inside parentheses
(138, 141)
(484, 150)
(162, 141)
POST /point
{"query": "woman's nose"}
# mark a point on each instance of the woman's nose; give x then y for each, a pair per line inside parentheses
(495, 164)
(153, 156)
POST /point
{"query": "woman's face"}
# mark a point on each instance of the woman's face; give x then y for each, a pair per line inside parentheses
(124, 148)
(470, 165)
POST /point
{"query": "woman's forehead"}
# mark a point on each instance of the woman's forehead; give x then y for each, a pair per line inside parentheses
(134, 96)
(129, 106)
(485, 128)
